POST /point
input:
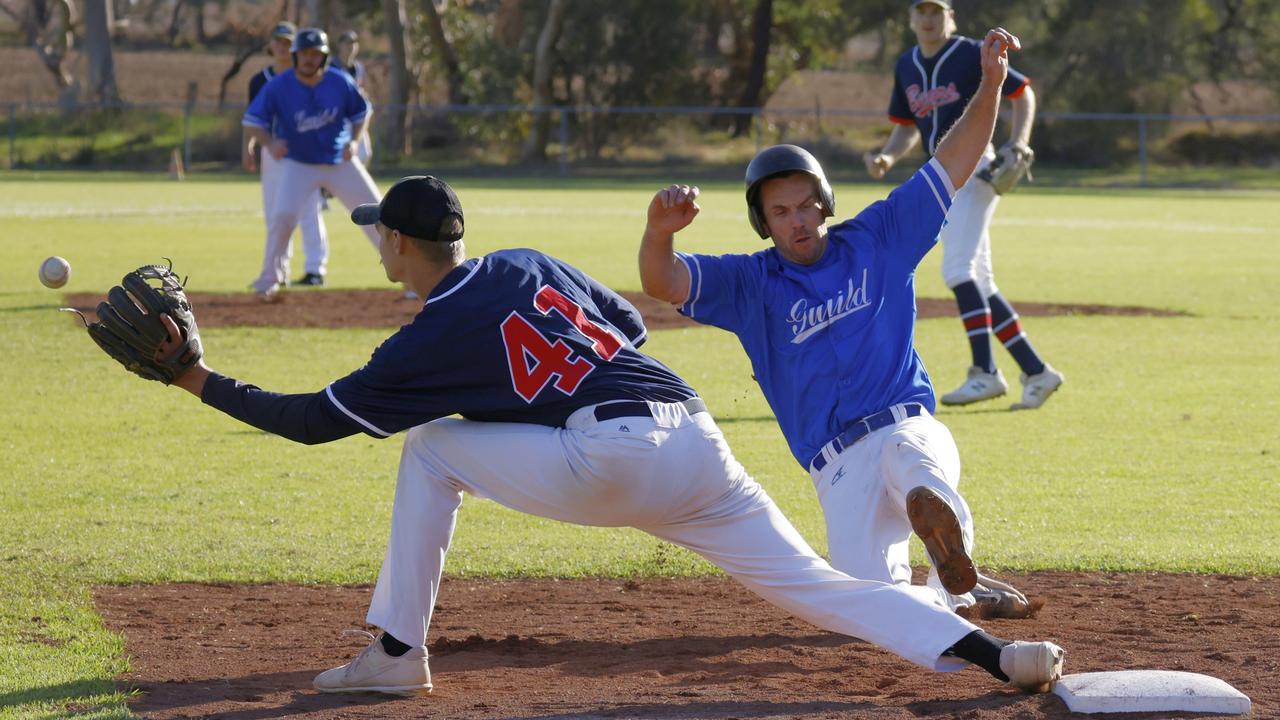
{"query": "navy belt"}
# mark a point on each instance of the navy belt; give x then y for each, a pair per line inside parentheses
(859, 430)
(640, 408)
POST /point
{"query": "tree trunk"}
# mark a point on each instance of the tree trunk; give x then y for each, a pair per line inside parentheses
(393, 132)
(309, 14)
(535, 148)
(97, 41)
(175, 22)
(444, 50)
(761, 32)
(242, 56)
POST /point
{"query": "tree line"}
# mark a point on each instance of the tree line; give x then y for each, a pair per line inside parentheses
(1084, 55)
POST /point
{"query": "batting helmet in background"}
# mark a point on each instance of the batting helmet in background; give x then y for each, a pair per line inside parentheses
(311, 38)
(782, 160)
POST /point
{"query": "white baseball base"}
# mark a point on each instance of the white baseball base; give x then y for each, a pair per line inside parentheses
(1150, 691)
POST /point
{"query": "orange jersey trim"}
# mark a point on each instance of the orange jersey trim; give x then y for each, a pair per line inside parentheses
(1013, 95)
(906, 121)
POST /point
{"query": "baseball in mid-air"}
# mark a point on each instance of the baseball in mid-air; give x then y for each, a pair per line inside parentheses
(54, 272)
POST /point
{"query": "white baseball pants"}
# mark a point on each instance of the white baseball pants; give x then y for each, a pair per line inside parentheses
(863, 493)
(672, 476)
(315, 239)
(966, 238)
(299, 185)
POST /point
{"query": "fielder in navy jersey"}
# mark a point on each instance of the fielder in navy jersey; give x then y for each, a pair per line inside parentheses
(315, 240)
(932, 84)
(309, 118)
(827, 318)
(562, 417)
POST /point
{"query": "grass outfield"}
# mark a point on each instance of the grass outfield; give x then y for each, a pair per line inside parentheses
(1159, 454)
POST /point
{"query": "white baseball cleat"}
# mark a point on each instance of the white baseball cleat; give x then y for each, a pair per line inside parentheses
(980, 385)
(1037, 388)
(373, 670)
(1032, 666)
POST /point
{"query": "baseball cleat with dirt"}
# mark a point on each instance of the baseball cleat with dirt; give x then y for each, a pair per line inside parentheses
(373, 670)
(934, 520)
(1032, 666)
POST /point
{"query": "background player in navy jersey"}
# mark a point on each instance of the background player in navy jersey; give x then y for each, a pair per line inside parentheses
(346, 49)
(315, 242)
(562, 417)
(932, 83)
(310, 118)
(827, 319)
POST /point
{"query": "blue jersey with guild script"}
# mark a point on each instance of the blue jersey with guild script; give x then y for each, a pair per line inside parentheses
(831, 342)
(931, 93)
(514, 336)
(315, 122)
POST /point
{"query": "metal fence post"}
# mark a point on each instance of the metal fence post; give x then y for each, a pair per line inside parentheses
(1142, 149)
(13, 135)
(564, 142)
(192, 95)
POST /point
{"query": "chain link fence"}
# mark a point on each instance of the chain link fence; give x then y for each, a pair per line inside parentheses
(637, 141)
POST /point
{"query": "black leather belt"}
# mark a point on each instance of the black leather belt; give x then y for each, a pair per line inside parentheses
(859, 430)
(640, 408)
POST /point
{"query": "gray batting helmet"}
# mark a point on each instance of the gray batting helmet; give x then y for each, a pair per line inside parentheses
(311, 38)
(782, 160)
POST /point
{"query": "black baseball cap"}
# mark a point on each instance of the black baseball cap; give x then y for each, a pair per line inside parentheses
(285, 30)
(417, 206)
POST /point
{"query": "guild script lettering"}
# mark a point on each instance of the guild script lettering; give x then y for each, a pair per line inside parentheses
(806, 319)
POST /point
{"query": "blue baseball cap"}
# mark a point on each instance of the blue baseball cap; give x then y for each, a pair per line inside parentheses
(285, 30)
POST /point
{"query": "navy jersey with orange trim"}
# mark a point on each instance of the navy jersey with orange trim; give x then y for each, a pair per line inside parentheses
(514, 336)
(931, 93)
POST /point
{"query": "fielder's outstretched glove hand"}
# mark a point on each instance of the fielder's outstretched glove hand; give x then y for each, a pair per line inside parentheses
(1011, 163)
(130, 330)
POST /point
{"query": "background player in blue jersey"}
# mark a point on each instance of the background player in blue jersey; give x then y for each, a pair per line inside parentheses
(562, 417)
(317, 115)
(827, 318)
(932, 83)
(315, 242)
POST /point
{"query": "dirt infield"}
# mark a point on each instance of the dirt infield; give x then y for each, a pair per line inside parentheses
(390, 308)
(663, 648)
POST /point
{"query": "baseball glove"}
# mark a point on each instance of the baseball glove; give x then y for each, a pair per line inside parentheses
(129, 328)
(1011, 163)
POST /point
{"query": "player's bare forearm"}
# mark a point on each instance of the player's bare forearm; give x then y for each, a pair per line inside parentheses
(663, 276)
(1024, 114)
(962, 148)
(255, 136)
(900, 142)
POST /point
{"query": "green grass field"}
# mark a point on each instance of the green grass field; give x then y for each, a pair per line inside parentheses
(1161, 452)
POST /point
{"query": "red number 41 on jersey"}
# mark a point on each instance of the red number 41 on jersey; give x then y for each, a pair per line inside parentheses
(534, 361)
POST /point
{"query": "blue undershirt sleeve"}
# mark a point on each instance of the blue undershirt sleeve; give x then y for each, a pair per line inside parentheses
(308, 418)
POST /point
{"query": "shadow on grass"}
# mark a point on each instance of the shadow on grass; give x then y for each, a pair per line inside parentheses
(74, 691)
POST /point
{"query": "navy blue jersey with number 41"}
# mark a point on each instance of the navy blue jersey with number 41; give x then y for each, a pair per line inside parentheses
(514, 336)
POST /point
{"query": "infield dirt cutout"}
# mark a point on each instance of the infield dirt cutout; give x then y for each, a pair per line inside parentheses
(390, 308)
(650, 647)
(665, 648)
